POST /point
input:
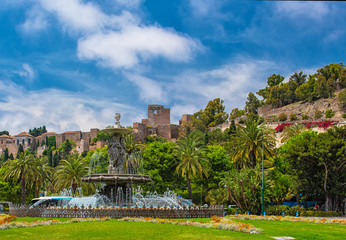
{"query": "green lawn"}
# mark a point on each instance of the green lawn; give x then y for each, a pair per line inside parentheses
(132, 230)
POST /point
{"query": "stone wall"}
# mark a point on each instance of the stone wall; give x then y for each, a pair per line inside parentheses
(158, 115)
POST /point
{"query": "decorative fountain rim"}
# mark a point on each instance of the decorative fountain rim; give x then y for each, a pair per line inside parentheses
(119, 177)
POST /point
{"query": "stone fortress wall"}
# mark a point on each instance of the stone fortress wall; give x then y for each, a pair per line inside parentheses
(28, 141)
(157, 124)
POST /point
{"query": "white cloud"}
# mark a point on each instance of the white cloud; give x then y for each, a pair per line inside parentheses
(36, 21)
(119, 41)
(129, 3)
(299, 10)
(231, 82)
(149, 90)
(85, 17)
(28, 73)
(126, 48)
(59, 110)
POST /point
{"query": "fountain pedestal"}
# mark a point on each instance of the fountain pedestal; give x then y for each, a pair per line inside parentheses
(116, 177)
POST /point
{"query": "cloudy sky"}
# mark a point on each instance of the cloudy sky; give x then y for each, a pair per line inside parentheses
(71, 64)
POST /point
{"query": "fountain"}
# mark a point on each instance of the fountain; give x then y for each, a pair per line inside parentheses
(117, 197)
(117, 180)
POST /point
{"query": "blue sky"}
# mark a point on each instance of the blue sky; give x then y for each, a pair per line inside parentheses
(71, 64)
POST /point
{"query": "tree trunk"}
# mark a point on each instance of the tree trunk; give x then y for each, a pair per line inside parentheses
(22, 183)
(298, 199)
(189, 186)
(74, 188)
(37, 188)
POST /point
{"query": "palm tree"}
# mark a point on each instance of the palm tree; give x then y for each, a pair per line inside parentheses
(291, 131)
(191, 155)
(41, 173)
(248, 143)
(21, 169)
(133, 154)
(70, 173)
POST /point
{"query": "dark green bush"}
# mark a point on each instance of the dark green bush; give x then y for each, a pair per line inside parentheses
(317, 114)
(305, 117)
(329, 113)
(282, 117)
(293, 117)
(317, 213)
(293, 210)
(344, 115)
(232, 211)
(276, 210)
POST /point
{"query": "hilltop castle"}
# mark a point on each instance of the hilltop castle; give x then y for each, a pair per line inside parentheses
(158, 123)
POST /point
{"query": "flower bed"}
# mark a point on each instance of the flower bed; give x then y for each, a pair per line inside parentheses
(289, 219)
(215, 223)
(282, 126)
(7, 222)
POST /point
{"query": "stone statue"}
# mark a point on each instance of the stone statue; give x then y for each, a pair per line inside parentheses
(117, 117)
(116, 153)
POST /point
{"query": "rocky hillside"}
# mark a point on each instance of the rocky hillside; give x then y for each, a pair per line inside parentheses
(271, 114)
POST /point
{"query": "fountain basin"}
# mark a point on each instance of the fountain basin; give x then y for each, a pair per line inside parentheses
(119, 178)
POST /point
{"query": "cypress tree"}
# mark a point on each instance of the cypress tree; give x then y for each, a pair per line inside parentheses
(20, 150)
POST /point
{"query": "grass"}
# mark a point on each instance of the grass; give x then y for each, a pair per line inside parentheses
(131, 230)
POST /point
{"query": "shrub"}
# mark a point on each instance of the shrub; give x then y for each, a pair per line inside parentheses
(329, 113)
(317, 114)
(241, 121)
(282, 117)
(317, 213)
(282, 126)
(344, 115)
(232, 211)
(276, 210)
(293, 117)
(293, 210)
(305, 117)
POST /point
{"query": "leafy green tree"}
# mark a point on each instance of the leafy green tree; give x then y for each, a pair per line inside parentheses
(20, 150)
(70, 173)
(244, 189)
(66, 148)
(97, 160)
(299, 78)
(235, 113)
(219, 162)
(252, 104)
(4, 132)
(329, 113)
(104, 136)
(274, 80)
(38, 131)
(213, 114)
(56, 159)
(318, 162)
(21, 169)
(216, 136)
(9, 188)
(159, 163)
(190, 153)
(248, 146)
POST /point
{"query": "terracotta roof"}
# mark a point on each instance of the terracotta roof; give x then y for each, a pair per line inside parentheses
(49, 133)
(24, 134)
(5, 136)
